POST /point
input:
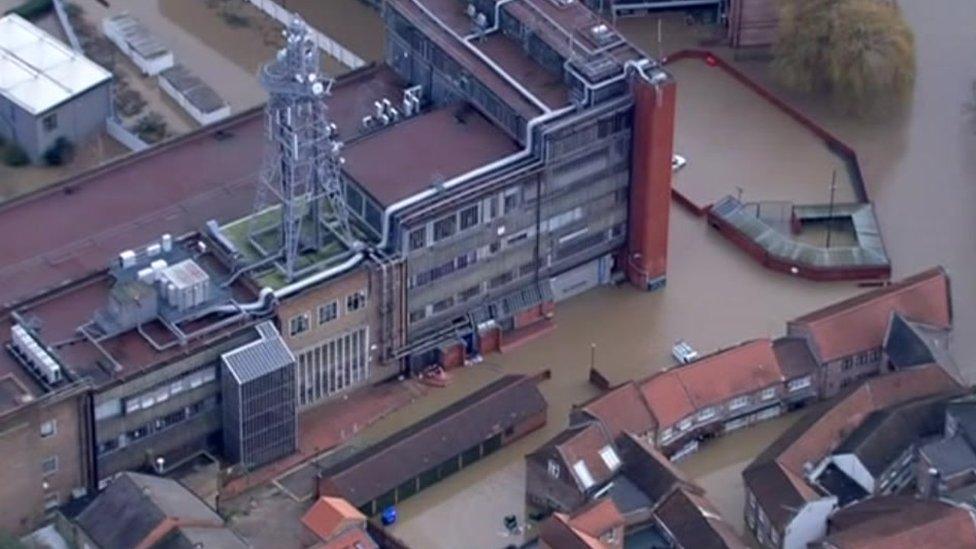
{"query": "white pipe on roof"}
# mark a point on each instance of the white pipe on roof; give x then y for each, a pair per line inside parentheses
(286, 291)
(507, 77)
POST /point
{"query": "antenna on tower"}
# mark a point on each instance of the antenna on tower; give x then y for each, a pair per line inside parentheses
(300, 175)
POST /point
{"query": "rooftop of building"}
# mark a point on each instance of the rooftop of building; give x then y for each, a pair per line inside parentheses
(950, 456)
(887, 433)
(138, 510)
(195, 537)
(106, 356)
(902, 522)
(650, 470)
(38, 72)
(692, 521)
(585, 528)
(860, 323)
(330, 516)
(488, 411)
(777, 476)
(422, 151)
(621, 410)
(581, 448)
(711, 380)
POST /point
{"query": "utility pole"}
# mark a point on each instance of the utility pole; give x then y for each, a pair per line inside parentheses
(830, 209)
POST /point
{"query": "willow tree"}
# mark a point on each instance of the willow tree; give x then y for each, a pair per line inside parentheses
(859, 52)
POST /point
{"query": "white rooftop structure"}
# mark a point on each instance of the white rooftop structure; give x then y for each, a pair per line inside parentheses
(38, 72)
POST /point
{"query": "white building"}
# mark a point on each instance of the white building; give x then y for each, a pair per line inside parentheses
(47, 90)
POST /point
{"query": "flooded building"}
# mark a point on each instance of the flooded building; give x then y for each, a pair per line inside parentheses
(787, 501)
(592, 487)
(901, 521)
(438, 446)
(847, 338)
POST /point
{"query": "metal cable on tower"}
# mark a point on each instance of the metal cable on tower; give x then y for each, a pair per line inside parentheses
(302, 161)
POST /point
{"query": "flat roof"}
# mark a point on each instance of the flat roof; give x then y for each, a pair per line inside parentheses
(509, 55)
(174, 187)
(417, 153)
(37, 72)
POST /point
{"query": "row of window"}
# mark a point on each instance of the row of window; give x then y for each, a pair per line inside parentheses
(325, 313)
(148, 399)
(709, 413)
(472, 292)
(161, 394)
(156, 425)
(860, 359)
(333, 366)
(463, 220)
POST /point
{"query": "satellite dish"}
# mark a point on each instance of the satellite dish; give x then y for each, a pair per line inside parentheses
(317, 88)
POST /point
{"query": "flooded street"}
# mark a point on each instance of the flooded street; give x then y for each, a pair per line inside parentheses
(919, 168)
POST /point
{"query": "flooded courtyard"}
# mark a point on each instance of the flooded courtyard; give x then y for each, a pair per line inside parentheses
(920, 170)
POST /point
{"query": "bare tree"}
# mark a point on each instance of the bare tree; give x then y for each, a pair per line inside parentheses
(859, 52)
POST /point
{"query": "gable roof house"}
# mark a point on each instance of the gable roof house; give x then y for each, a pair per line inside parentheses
(847, 337)
(143, 511)
(784, 507)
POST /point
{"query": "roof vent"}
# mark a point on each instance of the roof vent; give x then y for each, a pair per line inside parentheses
(601, 34)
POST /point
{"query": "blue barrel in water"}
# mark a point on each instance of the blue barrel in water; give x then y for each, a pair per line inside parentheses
(389, 515)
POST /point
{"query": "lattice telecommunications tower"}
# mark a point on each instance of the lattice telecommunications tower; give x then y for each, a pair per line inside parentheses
(300, 173)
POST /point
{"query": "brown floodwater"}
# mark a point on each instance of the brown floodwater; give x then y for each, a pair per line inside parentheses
(920, 169)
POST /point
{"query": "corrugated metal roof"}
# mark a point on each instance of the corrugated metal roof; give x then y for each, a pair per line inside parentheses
(37, 72)
(260, 357)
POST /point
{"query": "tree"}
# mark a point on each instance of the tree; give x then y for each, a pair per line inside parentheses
(861, 53)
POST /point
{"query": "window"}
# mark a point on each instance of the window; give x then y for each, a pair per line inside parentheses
(49, 428)
(469, 293)
(50, 122)
(798, 384)
(418, 315)
(510, 200)
(51, 502)
(768, 393)
(553, 468)
(610, 457)
(738, 402)
(107, 409)
(356, 301)
(516, 238)
(500, 280)
(706, 413)
(848, 363)
(583, 473)
(298, 324)
(49, 466)
(443, 305)
(445, 228)
(666, 434)
(328, 312)
(684, 425)
(469, 217)
(418, 238)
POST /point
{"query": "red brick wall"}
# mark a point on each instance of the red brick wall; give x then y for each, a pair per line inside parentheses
(650, 189)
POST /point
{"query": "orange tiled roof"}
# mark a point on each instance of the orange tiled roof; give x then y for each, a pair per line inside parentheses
(714, 379)
(858, 324)
(622, 410)
(329, 515)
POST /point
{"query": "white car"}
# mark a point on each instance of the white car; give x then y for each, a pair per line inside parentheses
(678, 162)
(683, 352)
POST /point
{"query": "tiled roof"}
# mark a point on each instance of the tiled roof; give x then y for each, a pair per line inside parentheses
(597, 518)
(777, 475)
(902, 522)
(712, 380)
(488, 411)
(693, 522)
(858, 324)
(584, 447)
(329, 516)
(622, 410)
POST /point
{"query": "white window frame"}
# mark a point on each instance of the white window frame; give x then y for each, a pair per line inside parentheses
(685, 424)
(739, 402)
(362, 304)
(799, 384)
(553, 468)
(768, 393)
(44, 467)
(49, 428)
(294, 328)
(610, 457)
(706, 414)
(334, 304)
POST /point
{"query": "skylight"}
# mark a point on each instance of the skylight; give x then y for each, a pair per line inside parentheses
(583, 474)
